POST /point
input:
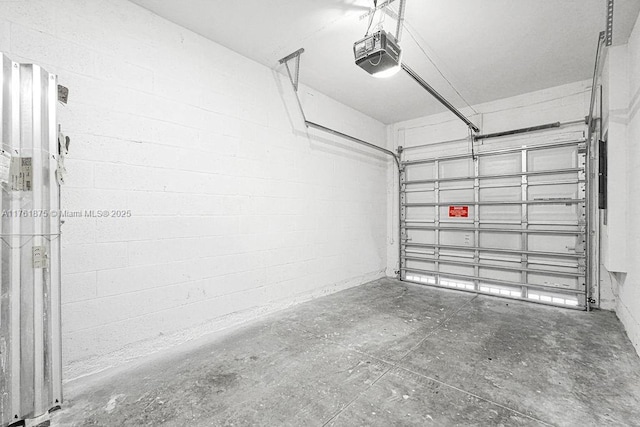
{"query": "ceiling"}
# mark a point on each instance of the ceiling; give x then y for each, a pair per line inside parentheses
(486, 50)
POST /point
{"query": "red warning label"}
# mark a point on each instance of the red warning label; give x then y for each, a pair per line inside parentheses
(458, 211)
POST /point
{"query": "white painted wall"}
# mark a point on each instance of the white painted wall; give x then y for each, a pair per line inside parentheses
(628, 307)
(236, 211)
(621, 81)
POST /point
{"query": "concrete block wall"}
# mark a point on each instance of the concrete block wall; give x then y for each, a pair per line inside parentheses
(624, 120)
(618, 232)
(235, 210)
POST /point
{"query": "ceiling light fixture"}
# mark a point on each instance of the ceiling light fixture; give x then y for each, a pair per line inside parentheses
(389, 72)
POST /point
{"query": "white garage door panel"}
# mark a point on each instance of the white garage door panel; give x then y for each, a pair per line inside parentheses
(511, 241)
(508, 276)
(455, 196)
(422, 195)
(508, 221)
(555, 281)
(552, 214)
(500, 164)
(420, 236)
(500, 214)
(420, 172)
(553, 243)
(420, 265)
(462, 168)
(546, 178)
(554, 158)
(420, 213)
(500, 194)
(454, 270)
(457, 238)
(558, 190)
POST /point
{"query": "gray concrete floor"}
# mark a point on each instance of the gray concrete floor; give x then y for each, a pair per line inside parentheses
(383, 354)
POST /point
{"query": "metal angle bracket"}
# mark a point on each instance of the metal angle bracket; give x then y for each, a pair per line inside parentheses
(309, 124)
(383, 7)
(295, 76)
(609, 32)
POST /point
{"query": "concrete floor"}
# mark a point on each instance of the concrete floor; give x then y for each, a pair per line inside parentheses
(383, 354)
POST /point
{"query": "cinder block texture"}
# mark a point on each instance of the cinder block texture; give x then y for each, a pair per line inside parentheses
(227, 204)
(629, 291)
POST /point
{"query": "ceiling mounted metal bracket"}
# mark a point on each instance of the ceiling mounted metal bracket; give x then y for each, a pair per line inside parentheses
(397, 16)
(295, 76)
(401, 9)
(382, 6)
(309, 124)
(609, 32)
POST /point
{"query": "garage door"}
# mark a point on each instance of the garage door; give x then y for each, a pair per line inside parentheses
(508, 220)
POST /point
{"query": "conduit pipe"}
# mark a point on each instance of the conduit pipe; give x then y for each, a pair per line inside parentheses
(594, 82)
(311, 124)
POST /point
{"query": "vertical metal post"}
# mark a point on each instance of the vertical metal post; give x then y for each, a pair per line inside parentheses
(5, 292)
(38, 276)
(593, 216)
(24, 201)
(403, 218)
(476, 220)
(401, 11)
(596, 71)
(584, 220)
(15, 229)
(524, 221)
(54, 247)
(591, 134)
(436, 219)
(592, 248)
(609, 30)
